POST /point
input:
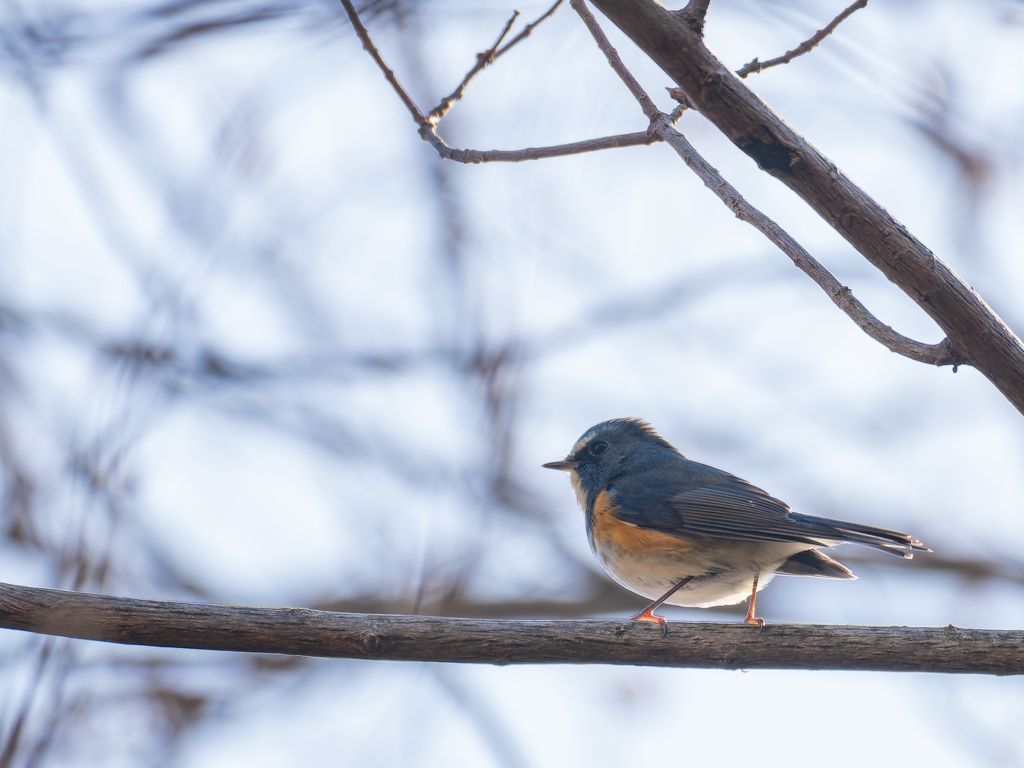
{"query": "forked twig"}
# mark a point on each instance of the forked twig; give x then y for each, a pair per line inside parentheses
(528, 29)
(482, 60)
(805, 47)
(661, 129)
(472, 156)
(487, 58)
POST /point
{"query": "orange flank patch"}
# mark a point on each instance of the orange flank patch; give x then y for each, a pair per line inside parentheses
(609, 531)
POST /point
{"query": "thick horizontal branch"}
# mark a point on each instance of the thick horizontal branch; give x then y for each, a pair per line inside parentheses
(305, 632)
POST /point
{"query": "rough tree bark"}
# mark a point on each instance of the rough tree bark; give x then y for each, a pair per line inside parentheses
(305, 632)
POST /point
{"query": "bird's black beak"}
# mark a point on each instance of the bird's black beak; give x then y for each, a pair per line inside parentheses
(565, 465)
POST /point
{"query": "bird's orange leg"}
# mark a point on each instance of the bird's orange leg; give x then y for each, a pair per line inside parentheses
(750, 619)
(647, 614)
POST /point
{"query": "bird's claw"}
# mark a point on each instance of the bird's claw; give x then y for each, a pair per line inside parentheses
(648, 615)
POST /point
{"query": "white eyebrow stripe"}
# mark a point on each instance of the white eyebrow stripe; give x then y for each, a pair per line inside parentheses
(580, 444)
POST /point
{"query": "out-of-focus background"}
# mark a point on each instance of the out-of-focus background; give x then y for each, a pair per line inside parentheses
(258, 345)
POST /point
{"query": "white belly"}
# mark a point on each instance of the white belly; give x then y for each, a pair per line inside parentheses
(723, 573)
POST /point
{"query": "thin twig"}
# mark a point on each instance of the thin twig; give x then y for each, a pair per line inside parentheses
(305, 632)
(804, 47)
(934, 354)
(371, 49)
(661, 126)
(482, 60)
(675, 114)
(650, 111)
(487, 58)
(528, 29)
(473, 156)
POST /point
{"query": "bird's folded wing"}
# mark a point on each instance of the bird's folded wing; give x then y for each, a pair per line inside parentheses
(731, 508)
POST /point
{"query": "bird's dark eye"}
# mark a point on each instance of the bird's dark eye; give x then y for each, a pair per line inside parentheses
(599, 447)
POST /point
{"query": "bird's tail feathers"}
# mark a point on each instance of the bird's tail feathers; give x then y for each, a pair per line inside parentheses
(895, 543)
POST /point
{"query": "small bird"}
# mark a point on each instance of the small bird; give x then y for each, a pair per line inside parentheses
(684, 533)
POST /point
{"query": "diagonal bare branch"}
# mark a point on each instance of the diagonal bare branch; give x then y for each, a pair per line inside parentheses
(482, 60)
(978, 333)
(632, 84)
(371, 49)
(942, 353)
(805, 47)
(661, 125)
